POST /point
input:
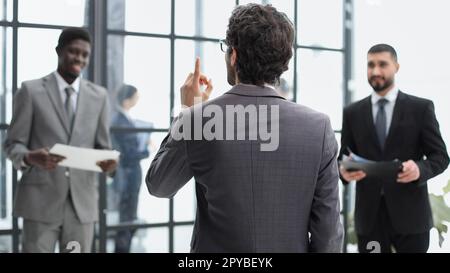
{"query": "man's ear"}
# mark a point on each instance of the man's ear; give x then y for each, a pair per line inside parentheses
(233, 57)
(58, 51)
(397, 66)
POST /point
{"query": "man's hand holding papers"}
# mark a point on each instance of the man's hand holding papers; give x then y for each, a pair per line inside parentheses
(86, 159)
(356, 168)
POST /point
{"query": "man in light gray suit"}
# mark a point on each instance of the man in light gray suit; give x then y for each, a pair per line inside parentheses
(276, 192)
(57, 203)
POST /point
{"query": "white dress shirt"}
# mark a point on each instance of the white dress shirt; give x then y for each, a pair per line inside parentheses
(62, 84)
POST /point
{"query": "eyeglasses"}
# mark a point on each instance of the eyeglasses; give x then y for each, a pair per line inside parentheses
(223, 46)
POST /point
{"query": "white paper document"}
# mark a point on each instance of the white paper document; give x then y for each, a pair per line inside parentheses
(83, 158)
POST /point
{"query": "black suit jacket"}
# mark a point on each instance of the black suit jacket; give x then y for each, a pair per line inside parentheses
(413, 134)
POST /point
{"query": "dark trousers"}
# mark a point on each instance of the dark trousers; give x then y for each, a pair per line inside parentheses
(383, 237)
(128, 181)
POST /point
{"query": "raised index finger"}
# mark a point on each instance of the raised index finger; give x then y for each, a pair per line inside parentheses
(197, 69)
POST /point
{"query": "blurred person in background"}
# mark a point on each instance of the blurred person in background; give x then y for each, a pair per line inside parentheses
(133, 148)
(394, 210)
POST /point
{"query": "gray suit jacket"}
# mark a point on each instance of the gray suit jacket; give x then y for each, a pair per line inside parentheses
(257, 201)
(39, 120)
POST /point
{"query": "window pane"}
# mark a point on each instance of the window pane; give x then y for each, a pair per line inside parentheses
(5, 75)
(185, 17)
(182, 239)
(212, 20)
(212, 65)
(5, 188)
(149, 16)
(215, 17)
(146, 65)
(6, 11)
(185, 203)
(53, 12)
(320, 83)
(286, 6)
(320, 23)
(151, 240)
(147, 208)
(150, 207)
(5, 244)
(146, 240)
(36, 53)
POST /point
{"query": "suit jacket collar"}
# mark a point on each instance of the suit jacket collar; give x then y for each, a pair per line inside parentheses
(83, 103)
(396, 118)
(368, 120)
(254, 91)
(51, 86)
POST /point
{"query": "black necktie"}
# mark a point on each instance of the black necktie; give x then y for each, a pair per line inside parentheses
(380, 122)
(68, 105)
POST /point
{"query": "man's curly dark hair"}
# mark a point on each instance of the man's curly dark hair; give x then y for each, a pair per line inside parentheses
(263, 38)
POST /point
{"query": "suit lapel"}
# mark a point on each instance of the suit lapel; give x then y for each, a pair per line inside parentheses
(396, 117)
(368, 116)
(51, 87)
(82, 106)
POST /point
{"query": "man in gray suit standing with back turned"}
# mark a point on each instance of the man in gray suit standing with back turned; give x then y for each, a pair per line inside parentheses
(58, 204)
(256, 192)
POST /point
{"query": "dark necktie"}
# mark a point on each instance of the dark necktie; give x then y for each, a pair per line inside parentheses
(68, 105)
(380, 122)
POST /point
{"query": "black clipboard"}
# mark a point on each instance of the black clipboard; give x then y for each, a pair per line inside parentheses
(371, 168)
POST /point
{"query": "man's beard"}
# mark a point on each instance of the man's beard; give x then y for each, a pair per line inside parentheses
(380, 87)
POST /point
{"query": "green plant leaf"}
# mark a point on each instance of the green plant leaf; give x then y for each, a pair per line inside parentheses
(446, 189)
(441, 214)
